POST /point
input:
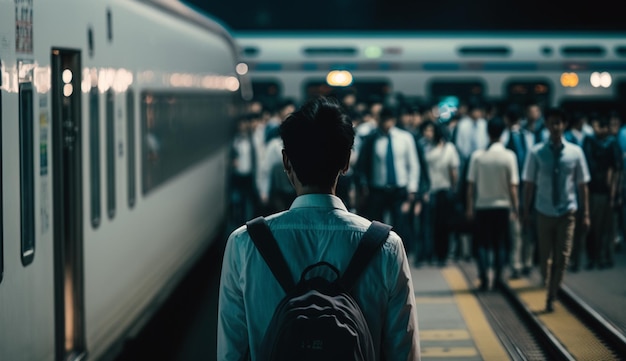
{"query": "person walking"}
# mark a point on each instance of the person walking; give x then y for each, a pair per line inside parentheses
(553, 171)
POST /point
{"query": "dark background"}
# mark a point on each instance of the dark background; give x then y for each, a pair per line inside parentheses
(417, 15)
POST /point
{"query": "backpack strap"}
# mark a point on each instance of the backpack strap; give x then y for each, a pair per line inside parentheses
(372, 240)
(265, 243)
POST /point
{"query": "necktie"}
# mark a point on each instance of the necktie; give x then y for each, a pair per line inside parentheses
(520, 150)
(391, 169)
(556, 190)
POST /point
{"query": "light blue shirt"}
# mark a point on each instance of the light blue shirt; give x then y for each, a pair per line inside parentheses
(317, 227)
(471, 135)
(621, 140)
(572, 171)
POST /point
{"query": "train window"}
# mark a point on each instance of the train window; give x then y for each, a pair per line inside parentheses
(180, 130)
(364, 90)
(330, 51)
(94, 155)
(130, 146)
(465, 91)
(620, 50)
(110, 129)
(484, 51)
(575, 50)
(250, 51)
(27, 172)
(525, 91)
(267, 92)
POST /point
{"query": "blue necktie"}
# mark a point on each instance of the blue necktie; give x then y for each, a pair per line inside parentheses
(556, 190)
(391, 169)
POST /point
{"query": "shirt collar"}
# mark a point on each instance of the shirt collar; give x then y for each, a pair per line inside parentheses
(318, 200)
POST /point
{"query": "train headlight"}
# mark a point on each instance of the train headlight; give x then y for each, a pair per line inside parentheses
(603, 79)
(569, 80)
(339, 78)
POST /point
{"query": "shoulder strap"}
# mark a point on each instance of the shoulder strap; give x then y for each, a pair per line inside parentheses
(372, 240)
(265, 242)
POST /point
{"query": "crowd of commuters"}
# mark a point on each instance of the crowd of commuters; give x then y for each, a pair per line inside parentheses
(525, 186)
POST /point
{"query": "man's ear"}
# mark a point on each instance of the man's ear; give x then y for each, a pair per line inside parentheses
(286, 162)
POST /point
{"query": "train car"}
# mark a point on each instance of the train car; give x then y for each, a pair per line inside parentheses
(116, 117)
(573, 70)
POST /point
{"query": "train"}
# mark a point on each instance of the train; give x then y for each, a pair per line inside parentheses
(573, 70)
(116, 121)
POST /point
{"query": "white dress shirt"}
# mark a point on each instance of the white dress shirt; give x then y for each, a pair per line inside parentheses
(404, 158)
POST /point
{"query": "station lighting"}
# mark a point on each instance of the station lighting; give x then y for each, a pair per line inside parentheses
(67, 76)
(373, 52)
(598, 79)
(241, 68)
(339, 78)
(569, 80)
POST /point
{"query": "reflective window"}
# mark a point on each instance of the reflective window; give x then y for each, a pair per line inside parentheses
(179, 130)
(27, 170)
(110, 152)
(525, 91)
(94, 155)
(130, 147)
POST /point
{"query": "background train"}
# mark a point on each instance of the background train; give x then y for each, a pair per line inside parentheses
(573, 70)
(116, 121)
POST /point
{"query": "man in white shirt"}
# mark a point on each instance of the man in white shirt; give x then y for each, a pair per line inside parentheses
(389, 172)
(492, 181)
(317, 227)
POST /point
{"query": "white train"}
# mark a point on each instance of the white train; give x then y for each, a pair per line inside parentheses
(116, 122)
(572, 70)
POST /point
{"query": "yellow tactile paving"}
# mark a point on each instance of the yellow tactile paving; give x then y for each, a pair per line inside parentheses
(447, 353)
(573, 335)
(486, 341)
(437, 335)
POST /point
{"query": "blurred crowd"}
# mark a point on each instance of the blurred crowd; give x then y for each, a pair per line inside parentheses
(410, 168)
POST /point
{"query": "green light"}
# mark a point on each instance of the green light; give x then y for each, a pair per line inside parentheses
(373, 52)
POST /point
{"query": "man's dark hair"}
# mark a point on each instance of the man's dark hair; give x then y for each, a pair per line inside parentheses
(318, 140)
(495, 127)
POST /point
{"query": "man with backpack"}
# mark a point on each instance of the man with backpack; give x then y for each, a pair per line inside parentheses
(278, 291)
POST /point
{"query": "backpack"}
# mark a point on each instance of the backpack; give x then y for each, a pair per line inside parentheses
(318, 319)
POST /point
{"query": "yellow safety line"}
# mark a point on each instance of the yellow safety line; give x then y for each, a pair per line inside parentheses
(482, 333)
(575, 336)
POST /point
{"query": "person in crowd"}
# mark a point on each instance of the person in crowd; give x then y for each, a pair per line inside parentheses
(316, 227)
(534, 121)
(442, 161)
(604, 159)
(471, 131)
(492, 183)
(280, 112)
(275, 191)
(618, 130)
(552, 172)
(389, 173)
(516, 139)
(577, 130)
(243, 192)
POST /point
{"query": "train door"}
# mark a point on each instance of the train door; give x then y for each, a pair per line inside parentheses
(68, 210)
(526, 91)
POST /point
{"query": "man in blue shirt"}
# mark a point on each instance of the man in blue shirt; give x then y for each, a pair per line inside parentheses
(553, 173)
(317, 140)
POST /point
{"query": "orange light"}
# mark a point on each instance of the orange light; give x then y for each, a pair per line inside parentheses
(569, 80)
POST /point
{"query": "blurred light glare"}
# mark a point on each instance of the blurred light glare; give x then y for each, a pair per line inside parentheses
(373, 52)
(605, 80)
(241, 68)
(569, 80)
(67, 76)
(339, 78)
(594, 79)
(68, 89)
(231, 83)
